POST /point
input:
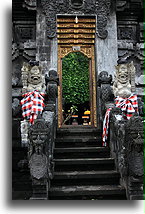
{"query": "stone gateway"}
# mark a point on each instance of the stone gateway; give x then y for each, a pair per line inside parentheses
(95, 49)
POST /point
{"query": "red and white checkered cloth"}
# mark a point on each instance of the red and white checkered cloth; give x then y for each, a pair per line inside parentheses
(32, 104)
(106, 127)
(128, 106)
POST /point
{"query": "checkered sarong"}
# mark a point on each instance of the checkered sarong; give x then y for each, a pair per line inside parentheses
(32, 104)
(128, 106)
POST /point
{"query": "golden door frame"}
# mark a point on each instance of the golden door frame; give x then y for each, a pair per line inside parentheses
(87, 50)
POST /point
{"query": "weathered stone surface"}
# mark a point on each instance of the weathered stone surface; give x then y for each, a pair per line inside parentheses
(126, 143)
(16, 130)
(105, 92)
(140, 80)
(52, 81)
(16, 108)
(16, 92)
(30, 4)
(140, 91)
(106, 50)
(24, 133)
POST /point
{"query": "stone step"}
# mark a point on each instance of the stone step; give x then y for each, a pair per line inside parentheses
(84, 161)
(85, 178)
(77, 131)
(77, 152)
(84, 164)
(98, 190)
(85, 174)
(77, 142)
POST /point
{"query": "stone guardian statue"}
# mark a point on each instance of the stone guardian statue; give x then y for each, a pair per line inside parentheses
(124, 83)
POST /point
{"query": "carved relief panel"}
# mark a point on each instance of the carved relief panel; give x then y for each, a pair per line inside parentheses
(101, 8)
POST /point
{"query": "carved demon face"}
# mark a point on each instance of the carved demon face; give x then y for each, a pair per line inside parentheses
(35, 75)
(38, 140)
(122, 73)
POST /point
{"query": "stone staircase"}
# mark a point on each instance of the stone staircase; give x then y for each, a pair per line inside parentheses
(84, 169)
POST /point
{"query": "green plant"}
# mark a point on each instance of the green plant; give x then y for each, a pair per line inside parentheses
(75, 78)
(71, 111)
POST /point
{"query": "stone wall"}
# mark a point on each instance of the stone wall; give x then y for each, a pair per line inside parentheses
(130, 37)
(106, 49)
(23, 50)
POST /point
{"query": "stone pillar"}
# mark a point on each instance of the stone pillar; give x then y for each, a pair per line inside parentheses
(43, 44)
(53, 54)
(106, 49)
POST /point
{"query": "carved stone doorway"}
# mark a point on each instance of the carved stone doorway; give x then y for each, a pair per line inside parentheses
(77, 34)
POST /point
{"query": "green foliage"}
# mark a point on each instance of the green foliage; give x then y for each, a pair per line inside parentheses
(75, 75)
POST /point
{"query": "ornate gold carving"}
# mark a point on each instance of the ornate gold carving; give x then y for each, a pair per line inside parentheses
(76, 25)
(94, 102)
(59, 90)
(73, 20)
(83, 31)
(66, 36)
(87, 51)
(76, 41)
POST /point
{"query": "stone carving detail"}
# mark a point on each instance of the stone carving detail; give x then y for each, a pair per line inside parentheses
(24, 31)
(126, 145)
(131, 52)
(124, 83)
(29, 52)
(76, 3)
(101, 8)
(135, 156)
(126, 33)
(117, 140)
(121, 5)
(32, 77)
(38, 156)
(140, 106)
(30, 4)
(15, 51)
(52, 81)
(24, 133)
(16, 108)
(38, 149)
(135, 141)
(106, 94)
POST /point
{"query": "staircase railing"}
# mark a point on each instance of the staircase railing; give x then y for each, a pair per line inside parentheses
(125, 140)
(41, 145)
(126, 145)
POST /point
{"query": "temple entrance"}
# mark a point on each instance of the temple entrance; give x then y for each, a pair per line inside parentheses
(75, 89)
(76, 69)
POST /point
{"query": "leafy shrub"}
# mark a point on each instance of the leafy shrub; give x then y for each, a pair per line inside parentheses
(75, 75)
